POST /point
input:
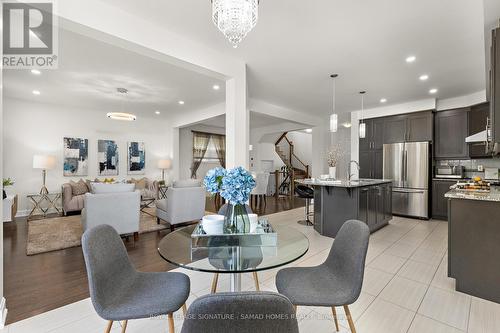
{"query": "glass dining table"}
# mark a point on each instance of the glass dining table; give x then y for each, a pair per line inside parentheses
(176, 249)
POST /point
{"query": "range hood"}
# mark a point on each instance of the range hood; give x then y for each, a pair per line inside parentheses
(478, 137)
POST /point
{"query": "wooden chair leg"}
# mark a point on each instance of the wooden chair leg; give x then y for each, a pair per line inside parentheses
(214, 283)
(108, 328)
(171, 328)
(334, 312)
(124, 325)
(184, 309)
(256, 280)
(349, 319)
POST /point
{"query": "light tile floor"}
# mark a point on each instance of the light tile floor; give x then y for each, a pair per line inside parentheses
(405, 289)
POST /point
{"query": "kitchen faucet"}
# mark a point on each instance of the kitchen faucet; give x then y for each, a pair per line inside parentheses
(349, 168)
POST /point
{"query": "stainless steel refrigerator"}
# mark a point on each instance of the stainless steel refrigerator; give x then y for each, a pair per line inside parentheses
(407, 164)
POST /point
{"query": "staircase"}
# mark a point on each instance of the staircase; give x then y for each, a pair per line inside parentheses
(293, 169)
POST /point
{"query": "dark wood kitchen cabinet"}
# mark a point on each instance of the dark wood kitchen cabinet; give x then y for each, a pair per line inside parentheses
(412, 127)
(451, 129)
(373, 208)
(374, 138)
(371, 164)
(478, 117)
(439, 202)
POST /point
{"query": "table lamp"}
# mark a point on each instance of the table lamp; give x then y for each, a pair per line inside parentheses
(164, 165)
(44, 162)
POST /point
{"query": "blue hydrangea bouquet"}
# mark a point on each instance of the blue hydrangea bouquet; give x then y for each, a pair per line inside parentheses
(234, 185)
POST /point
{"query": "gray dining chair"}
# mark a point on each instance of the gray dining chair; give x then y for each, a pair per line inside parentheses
(336, 282)
(246, 312)
(217, 264)
(119, 292)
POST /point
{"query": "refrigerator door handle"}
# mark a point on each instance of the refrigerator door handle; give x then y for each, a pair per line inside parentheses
(406, 168)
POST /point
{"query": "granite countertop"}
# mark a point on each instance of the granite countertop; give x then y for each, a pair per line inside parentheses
(493, 195)
(343, 183)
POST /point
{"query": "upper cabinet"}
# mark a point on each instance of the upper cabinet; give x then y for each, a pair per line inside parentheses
(478, 117)
(374, 138)
(451, 129)
(413, 127)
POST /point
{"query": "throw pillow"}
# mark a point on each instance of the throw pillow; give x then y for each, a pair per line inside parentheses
(78, 188)
(140, 184)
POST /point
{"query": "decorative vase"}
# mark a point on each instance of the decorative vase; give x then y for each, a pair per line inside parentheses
(236, 220)
(332, 172)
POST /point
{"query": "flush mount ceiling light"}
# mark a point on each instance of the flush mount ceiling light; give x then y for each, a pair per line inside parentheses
(157, 112)
(383, 100)
(347, 125)
(433, 91)
(122, 115)
(216, 87)
(334, 118)
(362, 124)
(309, 130)
(235, 18)
(36, 92)
(181, 102)
(411, 59)
(423, 77)
(35, 72)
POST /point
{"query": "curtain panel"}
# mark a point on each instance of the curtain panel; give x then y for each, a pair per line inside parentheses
(201, 141)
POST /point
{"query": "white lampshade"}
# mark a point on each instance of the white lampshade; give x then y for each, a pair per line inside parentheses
(45, 162)
(334, 122)
(164, 164)
(362, 130)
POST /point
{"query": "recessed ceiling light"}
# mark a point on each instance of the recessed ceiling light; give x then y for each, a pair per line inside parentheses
(347, 125)
(433, 91)
(121, 116)
(36, 72)
(157, 112)
(411, 59)
(36, 92)
(181, 102)
(216, 87)
(423, 77)
(309, 130)
(383, 100)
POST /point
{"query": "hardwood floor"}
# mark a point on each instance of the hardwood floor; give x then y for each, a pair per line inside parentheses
(39, 283)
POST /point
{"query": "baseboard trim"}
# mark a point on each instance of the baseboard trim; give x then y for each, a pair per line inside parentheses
(3, 312)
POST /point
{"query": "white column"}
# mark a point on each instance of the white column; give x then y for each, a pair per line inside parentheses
(237, 123)
(320, 147)
(174, 151)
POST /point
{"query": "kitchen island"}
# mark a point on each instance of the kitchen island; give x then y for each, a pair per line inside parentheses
(336, 201)
(474, 242)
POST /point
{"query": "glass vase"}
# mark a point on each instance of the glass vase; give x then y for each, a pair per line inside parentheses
(236, 220)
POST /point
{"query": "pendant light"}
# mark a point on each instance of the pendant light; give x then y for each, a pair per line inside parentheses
(334, 118)
(122, 115)
(362, 124)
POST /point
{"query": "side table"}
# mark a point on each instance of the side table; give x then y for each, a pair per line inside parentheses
(43, 203)
(162, 192)
(9, 208)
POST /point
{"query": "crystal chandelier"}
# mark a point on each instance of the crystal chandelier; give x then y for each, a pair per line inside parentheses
(235, 18)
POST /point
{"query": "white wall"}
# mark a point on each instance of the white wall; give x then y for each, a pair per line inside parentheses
(35, 128)
(302, 145)
(186, 150)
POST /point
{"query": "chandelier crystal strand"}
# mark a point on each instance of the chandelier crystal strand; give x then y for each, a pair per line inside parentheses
(235, 18)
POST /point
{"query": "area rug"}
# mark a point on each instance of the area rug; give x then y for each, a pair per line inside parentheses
(64, 232)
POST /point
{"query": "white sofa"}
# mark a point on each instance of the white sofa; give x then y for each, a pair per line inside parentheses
(117, 206)
(185, 202)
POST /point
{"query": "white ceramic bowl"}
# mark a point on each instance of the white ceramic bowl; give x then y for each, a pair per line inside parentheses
(213, 224)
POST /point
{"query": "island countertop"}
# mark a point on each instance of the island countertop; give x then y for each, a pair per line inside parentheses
(492, 195)
(343, 183)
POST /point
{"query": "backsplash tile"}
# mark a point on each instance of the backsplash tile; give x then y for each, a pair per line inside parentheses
(472, 165)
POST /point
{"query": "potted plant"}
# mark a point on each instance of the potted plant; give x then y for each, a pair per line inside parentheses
(6, 182)
(333, 158)
(235, 186)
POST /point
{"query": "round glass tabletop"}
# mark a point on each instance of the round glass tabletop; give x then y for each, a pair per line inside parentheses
(176, 249)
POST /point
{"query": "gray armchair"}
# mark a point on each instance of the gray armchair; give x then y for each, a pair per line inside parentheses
(336, 282)
(246, 312)
(119, 292)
